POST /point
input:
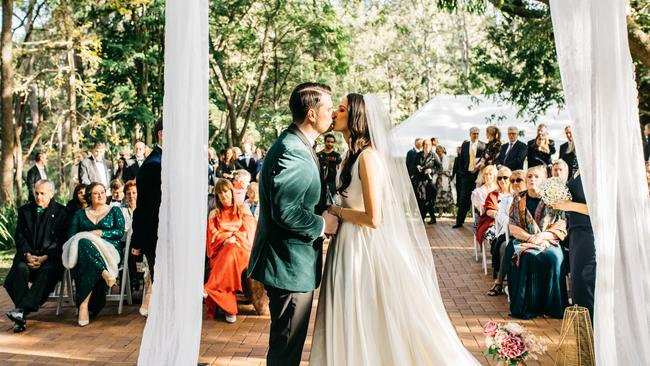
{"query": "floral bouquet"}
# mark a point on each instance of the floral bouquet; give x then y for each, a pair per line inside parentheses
(511, 344)
(553, 190)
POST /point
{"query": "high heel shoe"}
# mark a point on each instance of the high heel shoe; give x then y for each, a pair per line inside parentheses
(83, 323)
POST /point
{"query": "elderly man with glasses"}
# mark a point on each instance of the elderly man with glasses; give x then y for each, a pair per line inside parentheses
(513, 153)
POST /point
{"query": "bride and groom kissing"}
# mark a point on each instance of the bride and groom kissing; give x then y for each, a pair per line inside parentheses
(379, 301)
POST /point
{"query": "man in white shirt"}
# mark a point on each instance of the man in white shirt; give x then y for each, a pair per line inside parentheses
(95, 168)
(134, 164)
(36, 173)
(248, 160)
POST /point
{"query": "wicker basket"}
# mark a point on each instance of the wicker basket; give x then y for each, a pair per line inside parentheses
(577, 339)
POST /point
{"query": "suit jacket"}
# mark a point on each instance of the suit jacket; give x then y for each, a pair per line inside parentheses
(251, 167)
(463, 158)
(131, 170)
(49, 239)
(515, 158)
(287, 252)
(569, 158)
(646, 148)
(145, 216)
(88, 171)
(33, 176)
(411, 156)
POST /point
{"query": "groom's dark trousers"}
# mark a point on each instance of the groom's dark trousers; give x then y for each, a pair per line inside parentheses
(290, 313)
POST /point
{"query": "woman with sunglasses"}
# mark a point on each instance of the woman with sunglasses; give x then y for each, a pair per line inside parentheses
(485, 231)
(499, 262)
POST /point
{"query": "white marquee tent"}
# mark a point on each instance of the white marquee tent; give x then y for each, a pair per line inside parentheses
(450, 117)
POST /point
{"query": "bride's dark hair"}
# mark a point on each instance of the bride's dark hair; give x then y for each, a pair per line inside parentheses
(359, 138)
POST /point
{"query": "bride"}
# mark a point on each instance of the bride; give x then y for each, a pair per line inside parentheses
(379, 299)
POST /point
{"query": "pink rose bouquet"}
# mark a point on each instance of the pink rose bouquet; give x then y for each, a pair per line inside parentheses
(511, 343)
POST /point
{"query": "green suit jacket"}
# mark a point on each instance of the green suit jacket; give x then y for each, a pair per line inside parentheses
(287, 252)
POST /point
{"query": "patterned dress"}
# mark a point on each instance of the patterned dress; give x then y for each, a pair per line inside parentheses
(88, 272)
(445, 198)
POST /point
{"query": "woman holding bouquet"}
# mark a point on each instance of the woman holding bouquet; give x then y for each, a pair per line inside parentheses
(231, 228)
(536, 281)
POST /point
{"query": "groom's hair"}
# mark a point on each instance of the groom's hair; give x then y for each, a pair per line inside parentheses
(304, 97)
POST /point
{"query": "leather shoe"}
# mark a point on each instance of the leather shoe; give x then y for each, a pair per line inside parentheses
(19, 328)
(202, 364)
(17, 317)
(457, 226)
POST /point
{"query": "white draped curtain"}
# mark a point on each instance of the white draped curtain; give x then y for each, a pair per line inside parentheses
(172, 334)
(598, 80)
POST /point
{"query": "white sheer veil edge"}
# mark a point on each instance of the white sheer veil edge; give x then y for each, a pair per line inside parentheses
(172, 334)
(599, 86)
(402, 235)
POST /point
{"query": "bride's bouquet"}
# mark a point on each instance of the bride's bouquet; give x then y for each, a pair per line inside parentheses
(511, 344)
(553, 190)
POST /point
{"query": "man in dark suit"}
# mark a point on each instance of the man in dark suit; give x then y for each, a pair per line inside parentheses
(248, 160)
(40, 234)
(427, 163)
(411, 155)
(36, 173)
(287, 253)
(470, 152)
(568, 152)
(646, 142)
(136, 161)
(95, 168)
(513, 153)
(541, 130)
(454, 174)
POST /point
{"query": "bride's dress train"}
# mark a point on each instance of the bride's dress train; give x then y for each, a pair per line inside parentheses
(377, 306)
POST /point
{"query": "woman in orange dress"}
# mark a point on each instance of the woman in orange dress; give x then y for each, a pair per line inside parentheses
(231, 228)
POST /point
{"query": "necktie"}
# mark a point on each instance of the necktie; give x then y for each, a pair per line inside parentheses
(508, 149)
(472, 152)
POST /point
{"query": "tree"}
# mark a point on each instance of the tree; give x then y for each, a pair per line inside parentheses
(8, 137)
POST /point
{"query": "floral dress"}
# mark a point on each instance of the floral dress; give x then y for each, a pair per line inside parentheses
(445, 198)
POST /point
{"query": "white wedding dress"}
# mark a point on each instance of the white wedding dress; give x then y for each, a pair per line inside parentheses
(379, 299)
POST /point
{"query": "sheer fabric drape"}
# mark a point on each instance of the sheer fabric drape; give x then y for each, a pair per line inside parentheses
(598, 79)
(172, 334)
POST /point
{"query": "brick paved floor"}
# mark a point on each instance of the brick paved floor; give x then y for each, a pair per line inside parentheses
(115, 340)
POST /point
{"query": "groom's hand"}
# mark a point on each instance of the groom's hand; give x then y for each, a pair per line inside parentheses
(331, 223)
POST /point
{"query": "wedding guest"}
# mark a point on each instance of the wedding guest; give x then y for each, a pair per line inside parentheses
(411, 155)
(560, 169)
(122, 170)
(40, 233)
(491, 153)
(539, 153)
(241, 181)
(136, 161)
(36, 173)
(513, 153)
(145, 218)
(486, 231)
(454, 174)
(481, 193)
(253, 199)
(329, 160)
(444, 197)
(582, 253)
(117, 192)
(129, 204)
(231, 229)
(97, 255)
(568, 152)
(542, 129)
(646, 142)
(425, 190)
(500, 262)
(261, 154)
(248, 160)
(74, 171)
(76, 202)
(467, 173)
(95, 168)
(147, 151)
(536, 280)
(213, 165)
(227, 165)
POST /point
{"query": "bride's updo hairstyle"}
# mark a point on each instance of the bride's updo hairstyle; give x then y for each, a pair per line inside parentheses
(359, 138)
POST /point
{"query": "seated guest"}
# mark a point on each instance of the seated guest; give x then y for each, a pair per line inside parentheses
(40, 233)
(490, 184)
(241, 180)
(536, 282)
(78, 201)
(117, 192)
(486, 230)
(582, 256)
(128, 206)
(500, 263)
(231, 229)
(253, 199)
(93, 251)
(560, 169)
(539, 153)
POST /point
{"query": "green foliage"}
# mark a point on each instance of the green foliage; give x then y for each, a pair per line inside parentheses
(8, 221)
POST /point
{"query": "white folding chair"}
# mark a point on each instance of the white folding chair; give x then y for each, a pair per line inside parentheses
(125, 281)
(63, 291)
(476, 243)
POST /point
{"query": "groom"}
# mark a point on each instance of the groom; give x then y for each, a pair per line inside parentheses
(287, 253)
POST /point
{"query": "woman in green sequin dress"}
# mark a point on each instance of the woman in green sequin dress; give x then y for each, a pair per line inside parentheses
(90, 274)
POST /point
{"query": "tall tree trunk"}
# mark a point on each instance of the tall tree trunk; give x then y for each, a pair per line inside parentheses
(8, 135)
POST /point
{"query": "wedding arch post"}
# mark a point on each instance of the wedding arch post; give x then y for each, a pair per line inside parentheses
(172, 334)
(598, 80)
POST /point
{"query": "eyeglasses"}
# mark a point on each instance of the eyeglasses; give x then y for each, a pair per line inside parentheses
(516, 180)
(503, 177)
